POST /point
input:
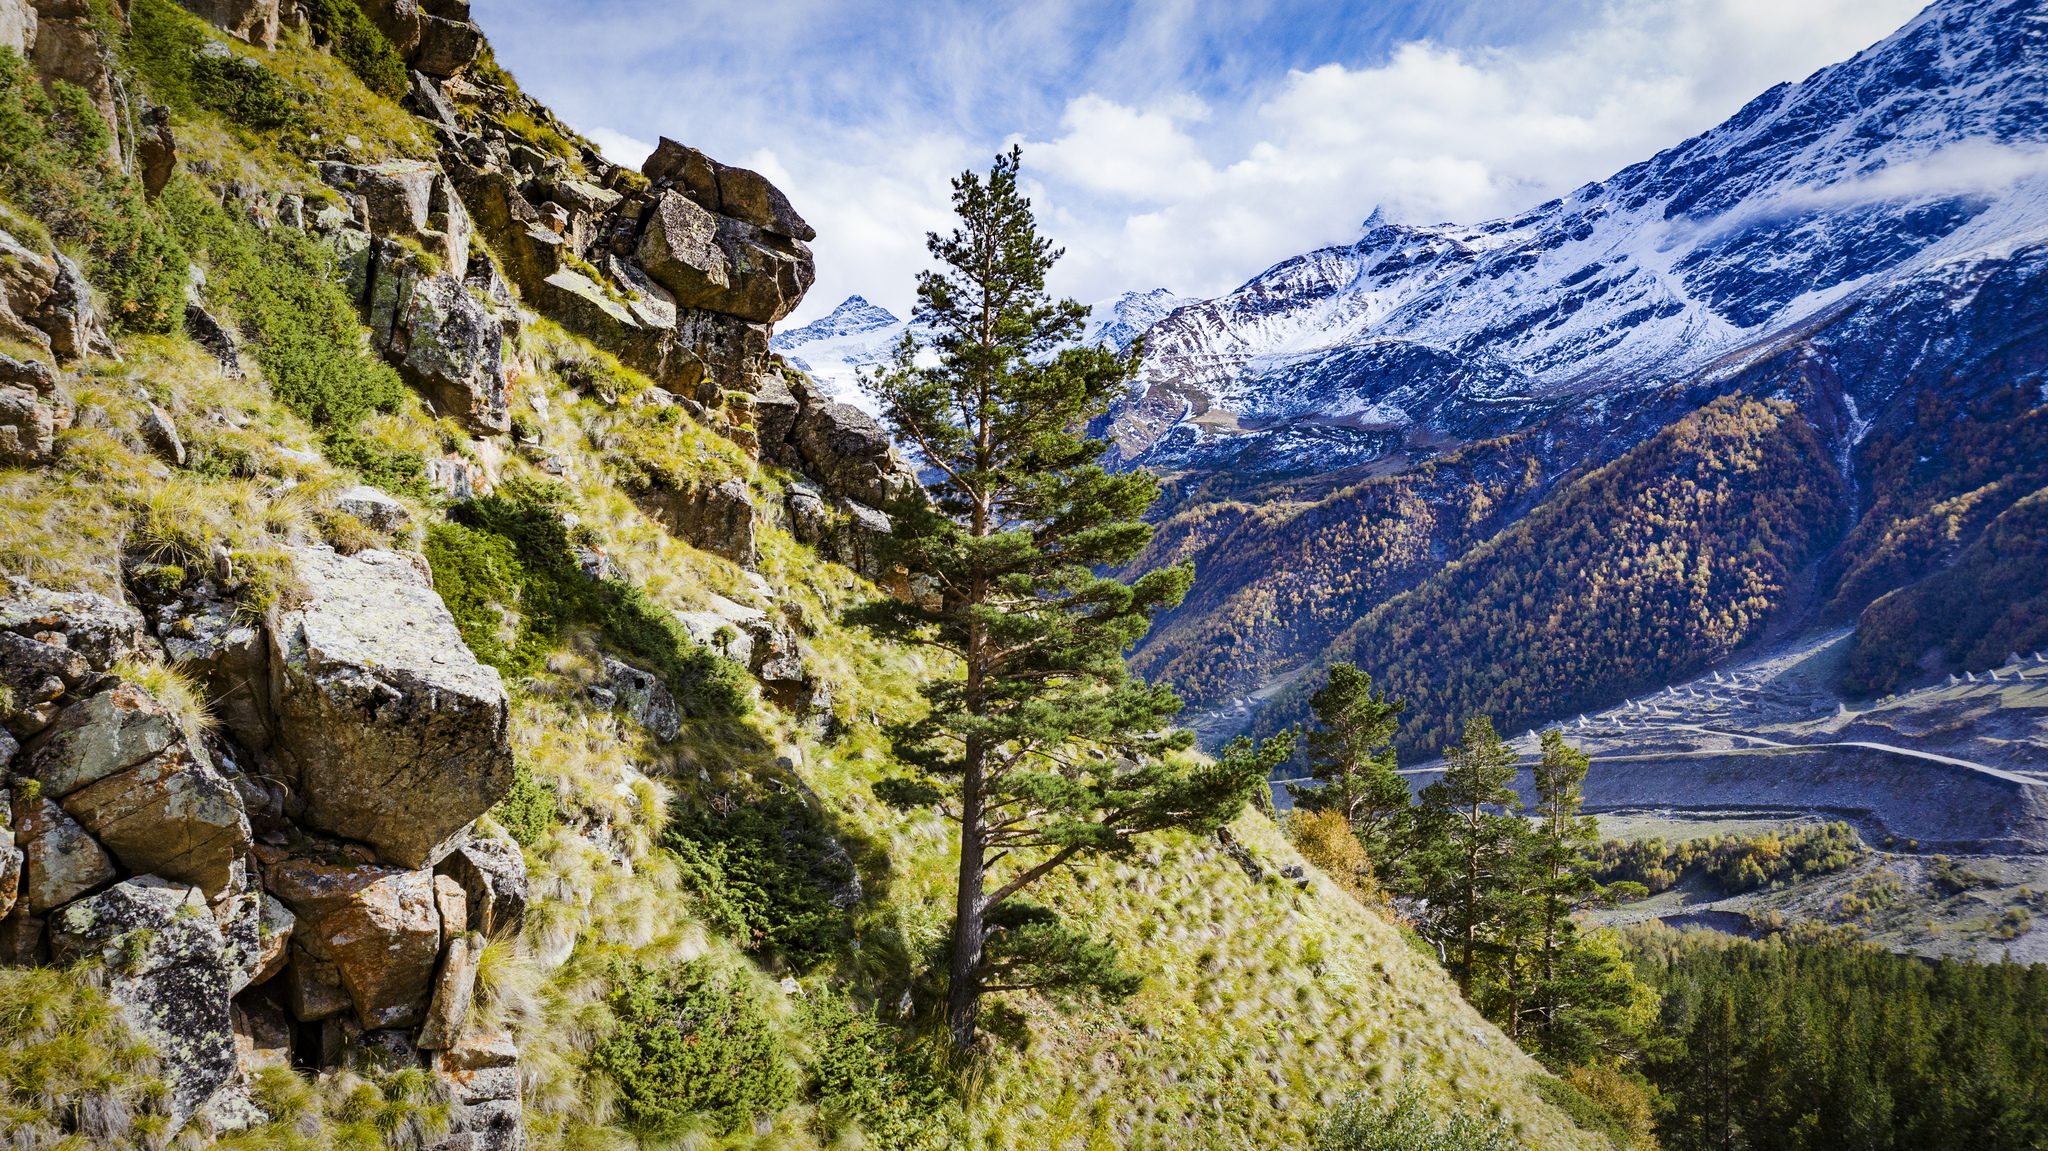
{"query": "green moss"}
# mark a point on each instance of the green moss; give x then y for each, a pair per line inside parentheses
(692, 1041)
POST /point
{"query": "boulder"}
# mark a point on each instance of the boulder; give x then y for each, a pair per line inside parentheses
(253, 22)
(60, 862)
(679, 250)
(687, 169)
(208, 332)
(446, 343)
(74, 323)
(157, 150)
(174, 816)
(775, 415)
(35, 375)
(383, 940)
(399, 20)
(18, 26)
(396, 735)
(646, 699)
(102, 630)
(160, 434)
(718, 518)
(37, 670)
(446, 46)
(28, 428)
(256, 933)
(844, 449)
(451, 904)
(429, 102)
(448, 1014)
(166, 975)
(748, 196)
(492, 873)
(768, 273)
(373, 507)
(397, 196)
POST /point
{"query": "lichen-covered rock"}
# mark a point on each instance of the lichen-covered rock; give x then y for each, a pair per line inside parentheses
(173, 815)
(769, 273)
(18, 26)
(39, 670)
(256, 931)
(747, 195)
(102, 630)
(166, 974)
(35, 375)
(373, 507)
(111, 732)
(397, 196)
(160, 434)
(396, 735)
(451, 903)
(28, 427)
(646, 699)
(679, 250)
(448, 345)
(312, 984)
(446, 46)
(492, 873)
(685, 168)
(60, 862)
(26, 281)
(716, 517)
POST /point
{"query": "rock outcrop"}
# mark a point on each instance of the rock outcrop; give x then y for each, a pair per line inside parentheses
(394, 732)
(719, 518)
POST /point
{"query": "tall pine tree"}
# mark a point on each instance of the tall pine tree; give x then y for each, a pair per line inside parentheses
(993, 399)
(1352, 761)
(1469, 857)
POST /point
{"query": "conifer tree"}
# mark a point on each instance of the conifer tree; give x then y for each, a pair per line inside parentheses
(1021, 519)
(1469, 858)
(1352, 760)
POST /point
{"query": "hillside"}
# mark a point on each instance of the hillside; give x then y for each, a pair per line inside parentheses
(1371, 445)
(429, 720)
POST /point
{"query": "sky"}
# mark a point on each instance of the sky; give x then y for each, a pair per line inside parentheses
(1183, 144)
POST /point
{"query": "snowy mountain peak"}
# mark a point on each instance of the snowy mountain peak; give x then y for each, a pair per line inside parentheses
(853, 317)
(1925, 150)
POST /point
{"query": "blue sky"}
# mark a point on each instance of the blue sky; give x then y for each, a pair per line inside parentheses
(1185, 144)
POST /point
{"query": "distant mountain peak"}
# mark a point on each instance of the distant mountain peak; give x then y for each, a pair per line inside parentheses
(854, 316)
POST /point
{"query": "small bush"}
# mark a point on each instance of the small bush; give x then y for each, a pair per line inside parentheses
(873, 1075)
(692, 1042)
(357, 42)
(244, 91)
(762, 870)
(1625, 1100)
(1325, 839)
(528, 810)
(1586, 1114)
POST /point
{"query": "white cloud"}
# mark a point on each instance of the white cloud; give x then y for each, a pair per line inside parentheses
(620, 148)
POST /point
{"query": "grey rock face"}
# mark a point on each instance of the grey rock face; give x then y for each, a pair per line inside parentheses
(60, 862)
(646, 699)
(448, 1014)
(848, 452)
(173, 816)
(35, 375)
(256, 933)
(373, 507)
(10, 857)
(718, 518)
(448, 345)
(26, 281)
(37, 671)
(446, 46)
(492, 873)
(205, 635)
(689, 170)
(253, 22)
(113, 731)
(160, 433)
(397, 735)
(166, 974)
(28, 427)
(480, 1073)
(100, 629)
(679, 250)
(749, 196)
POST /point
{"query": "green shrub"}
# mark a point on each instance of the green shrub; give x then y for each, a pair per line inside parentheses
(164, 46)
(693, 1041)
(1585, 1114)
(54, 166)
(341, 25)
(1359, 1123)
(763, 867)
(528, 810)
(244, 91)
(873, 1075)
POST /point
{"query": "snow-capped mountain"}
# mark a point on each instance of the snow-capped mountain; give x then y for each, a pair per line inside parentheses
(859, 335)
(1918, 166)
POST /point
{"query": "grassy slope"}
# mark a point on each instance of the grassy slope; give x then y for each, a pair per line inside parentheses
(1261, 1000)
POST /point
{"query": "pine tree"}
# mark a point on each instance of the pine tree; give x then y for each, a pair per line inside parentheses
(1352, 760)
(1469, 857)
(1022, 518)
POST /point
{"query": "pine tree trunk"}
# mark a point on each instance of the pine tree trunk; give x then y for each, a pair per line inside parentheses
(963, 988)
